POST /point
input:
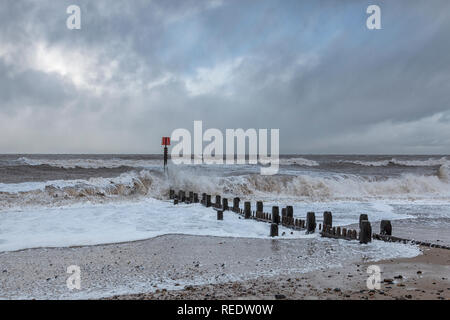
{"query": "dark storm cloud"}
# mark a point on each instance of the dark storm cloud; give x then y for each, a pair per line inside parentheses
(139, 69)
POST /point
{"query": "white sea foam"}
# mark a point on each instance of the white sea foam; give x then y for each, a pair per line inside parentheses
(91, 163)
(90, 224)
(444, 172)
(408, 163)
(299, 161)
(301, 187)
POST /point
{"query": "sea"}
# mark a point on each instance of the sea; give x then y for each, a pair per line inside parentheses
(72, 200)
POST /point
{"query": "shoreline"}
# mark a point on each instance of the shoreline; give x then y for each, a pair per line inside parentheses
(425, 277)
(188, 266)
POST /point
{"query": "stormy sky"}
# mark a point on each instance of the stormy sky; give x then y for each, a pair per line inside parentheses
(139, 69)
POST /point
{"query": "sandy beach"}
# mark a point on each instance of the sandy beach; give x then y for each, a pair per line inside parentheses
(203, 267)
(422, 278)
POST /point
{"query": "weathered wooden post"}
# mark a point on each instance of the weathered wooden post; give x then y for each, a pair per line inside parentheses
(247, 209)
(290, 215)
(181, 196)
(236, 204)
(310, 222)
(208, 200)
(259, 206)
(225, 204)
(338, 231)
(218, 202)
(204, 199)
(283, 216)
(171, 194)
(195, 197)
(191, 196)
(361, 218)
(327, 218)
(219, 215)
(275, 215)
(386, 227)
(365, 235)
(274, 230)
(344, 232)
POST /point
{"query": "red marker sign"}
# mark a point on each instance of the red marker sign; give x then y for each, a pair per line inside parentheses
(165, 141)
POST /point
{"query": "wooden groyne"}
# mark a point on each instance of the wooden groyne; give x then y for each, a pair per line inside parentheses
(287, 219)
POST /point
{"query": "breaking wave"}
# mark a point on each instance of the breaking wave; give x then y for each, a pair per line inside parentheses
(147, 183)
(117, 163)
(90, 163)
(407, 163)
(299, 162)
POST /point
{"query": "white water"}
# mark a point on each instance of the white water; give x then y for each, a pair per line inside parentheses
(90, 224)
(408, 163)
(307, 187)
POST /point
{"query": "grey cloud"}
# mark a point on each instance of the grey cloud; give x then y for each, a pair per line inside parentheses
(311, 69)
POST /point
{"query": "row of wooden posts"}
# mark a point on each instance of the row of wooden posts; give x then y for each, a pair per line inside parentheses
(287, 219)
(287, 215)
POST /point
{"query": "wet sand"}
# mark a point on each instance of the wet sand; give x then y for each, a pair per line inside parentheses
(201, 267)
(425, 277)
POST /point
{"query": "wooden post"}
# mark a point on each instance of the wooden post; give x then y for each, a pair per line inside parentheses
(181, 196)
(171, 194)
(338, 231)
(204, 199)
(290, 215)
(259, 206)
(310, 222)
(276, 215)
(344, 232)
(365, 235)
(195, 197)
(225, 204)
(218, 203)
(327, 218)
(247, 209)
(386, 227)
(208, 200)
(283, 216)
(191, 196)
(274, 230)
(236, 205)
(361, 218)
(219, 215)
